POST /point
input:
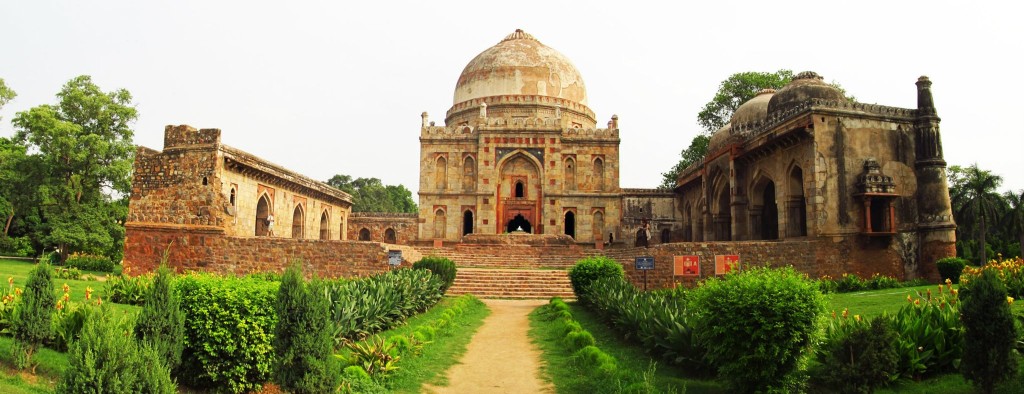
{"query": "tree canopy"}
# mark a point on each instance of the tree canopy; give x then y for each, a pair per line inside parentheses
(736, 90)
(6, 94)
(81, 148)
(371, 195)
(987, 222)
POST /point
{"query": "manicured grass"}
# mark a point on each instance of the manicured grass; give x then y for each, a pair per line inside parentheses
(19, 269)
(562, 371)
(51, 364)
(436, 357)
(875, 302)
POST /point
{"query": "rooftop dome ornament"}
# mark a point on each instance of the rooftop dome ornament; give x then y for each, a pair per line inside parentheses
(519, 34)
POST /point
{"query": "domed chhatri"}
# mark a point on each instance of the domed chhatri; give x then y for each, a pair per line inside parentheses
(805, 86)
(520, 65)
(719, 138)
(754, 110)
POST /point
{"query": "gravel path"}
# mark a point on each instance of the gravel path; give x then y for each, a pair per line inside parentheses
(500, 357)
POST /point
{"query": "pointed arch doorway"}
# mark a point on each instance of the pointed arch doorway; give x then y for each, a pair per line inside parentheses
(519, 223)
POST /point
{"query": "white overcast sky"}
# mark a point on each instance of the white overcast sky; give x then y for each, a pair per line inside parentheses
(337, 87)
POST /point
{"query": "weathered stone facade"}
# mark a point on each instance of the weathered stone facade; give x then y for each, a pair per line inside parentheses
(208, 205)
(805, 163)
(519, 149)
(389, 228)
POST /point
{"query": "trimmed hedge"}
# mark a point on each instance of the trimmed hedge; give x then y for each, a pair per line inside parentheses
(951, 268)
(89, 262)
(440, 266)
(593, 268)
(229, 325)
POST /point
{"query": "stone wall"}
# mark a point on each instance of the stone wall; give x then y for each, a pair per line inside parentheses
(814, 257)
(196, 248)
(377, 224)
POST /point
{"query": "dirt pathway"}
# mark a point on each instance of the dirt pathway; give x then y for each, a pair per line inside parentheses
(500, 357)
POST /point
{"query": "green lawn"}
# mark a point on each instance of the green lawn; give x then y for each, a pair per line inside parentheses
(875, 302)
(18, 269)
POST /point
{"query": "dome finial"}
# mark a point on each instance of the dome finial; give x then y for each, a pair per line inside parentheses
(519, 34)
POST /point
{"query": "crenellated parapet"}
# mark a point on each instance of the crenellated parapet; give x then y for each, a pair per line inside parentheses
(570, 135)
(775, 119)
(560, 110)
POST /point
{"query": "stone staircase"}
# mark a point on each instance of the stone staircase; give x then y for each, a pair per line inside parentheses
(512, 283)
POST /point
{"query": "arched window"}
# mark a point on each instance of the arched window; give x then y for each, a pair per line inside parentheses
(441, 174)
(298, 219)
(469, 174)
(262, 213)
(598, 174)
(390, 236)
(231, 198)
(325, 226)
(439, 224)
(570, 174)
(666, 236)
(570, 224)
(364, 234)
(520, 190)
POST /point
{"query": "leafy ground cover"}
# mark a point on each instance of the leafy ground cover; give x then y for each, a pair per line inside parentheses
(18, 270)
(567, 377)
(442, 351)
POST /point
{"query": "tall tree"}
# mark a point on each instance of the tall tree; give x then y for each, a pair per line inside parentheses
(6, 94)
(694, 153)
(977, 203)
(84, 143)
(736, 90)
(371, 195)
(1013, 220)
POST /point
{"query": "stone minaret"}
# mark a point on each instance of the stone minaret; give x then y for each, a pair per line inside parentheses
(937, 236)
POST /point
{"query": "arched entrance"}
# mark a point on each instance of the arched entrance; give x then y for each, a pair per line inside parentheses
(325, 226)
(439, 224)
(666, 236)
(262, 211)
(570, 224)
(598, 229)
(722, 214)
(519, 193)
(298, 219)
(519, 222)
(467, 222)
(769, 213)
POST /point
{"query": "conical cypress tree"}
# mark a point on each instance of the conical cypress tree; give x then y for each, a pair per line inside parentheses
(31, 323)
(302, 340)
(989, 332)
(161, 322)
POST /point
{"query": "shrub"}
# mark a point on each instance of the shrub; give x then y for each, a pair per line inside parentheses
(355, 380)
(758, 326)
(1011, 272)
(31, 323)
(440, 266)
(89, 262)
(16, 246)
(303, 339)
(930, 333)
(377, 357)
(67, 273)
(108, 360)
(950, 268)
(849, 283)
(989, 332)
(126, 289)
(229, 323)
(659, 320)
(857, 356)
(161, 322)
(362, 307)
(590, 269)
(576, 340)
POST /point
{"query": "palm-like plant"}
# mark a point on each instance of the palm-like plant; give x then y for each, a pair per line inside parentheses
(977, 202)
(1013, 220)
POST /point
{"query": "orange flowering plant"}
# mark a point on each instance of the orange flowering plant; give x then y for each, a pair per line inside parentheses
(1010, 272)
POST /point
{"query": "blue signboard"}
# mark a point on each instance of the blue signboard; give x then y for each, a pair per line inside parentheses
(645, 263)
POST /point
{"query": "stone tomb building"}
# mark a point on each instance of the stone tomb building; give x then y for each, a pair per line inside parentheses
(209, 206)
(520, 150)
(868, 182)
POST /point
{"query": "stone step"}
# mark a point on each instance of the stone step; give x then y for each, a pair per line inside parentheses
(512, 283)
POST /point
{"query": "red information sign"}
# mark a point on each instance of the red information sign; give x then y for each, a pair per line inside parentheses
(726, 263)
(688, 265)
